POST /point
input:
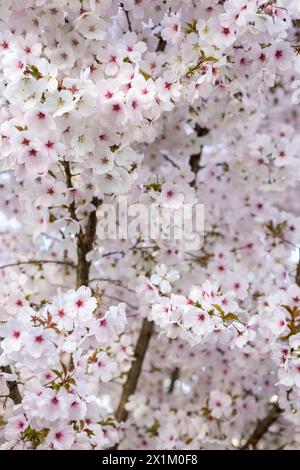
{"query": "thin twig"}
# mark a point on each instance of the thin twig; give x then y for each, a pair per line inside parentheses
(112, 281)
(113, 253)
(171, 161)
(37, 262)
(127, 17)
(117, 299)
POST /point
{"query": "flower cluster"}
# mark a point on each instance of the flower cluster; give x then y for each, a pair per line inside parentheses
(62, 351)
(204, 314)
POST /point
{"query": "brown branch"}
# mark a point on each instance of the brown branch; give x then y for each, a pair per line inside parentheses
(195, 165)
(174, 377)
(37, 262)
(196, 158)
(85, 238)
(14, 392)
(262, 427)
(161, 45)
(85, 241)
(69, 183)
(135, 370)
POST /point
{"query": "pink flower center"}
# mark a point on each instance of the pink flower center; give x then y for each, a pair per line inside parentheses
(25, 142)
(32, 153)
(55, 401)
(49, 144)
(39, 339)
(116, 108)
(79, 303)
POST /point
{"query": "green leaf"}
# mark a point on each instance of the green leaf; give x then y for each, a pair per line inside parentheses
(145, 74)
(57, 372)
(217, 307)
(114, 148)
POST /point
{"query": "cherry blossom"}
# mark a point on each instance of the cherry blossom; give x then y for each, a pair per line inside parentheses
(138, 340)
(164, 278)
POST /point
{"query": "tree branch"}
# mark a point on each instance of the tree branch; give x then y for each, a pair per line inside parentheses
(68, 174)
(262, 427)
(196, 158)
(171, 161)
(38, 261)
(127, 17)
(173, 378)
(161, 45)
(86, 237)
(136, 368)
(13, 388)
(85, 241)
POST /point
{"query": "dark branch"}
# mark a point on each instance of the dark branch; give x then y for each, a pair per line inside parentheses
(174, 377)
(161, 45)
(85, 237)
(68, 174)
(136, 368)
(262, 427)
(127, 17)
(85, 241)
(196, 158)
(171, 161)
(14, 392)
